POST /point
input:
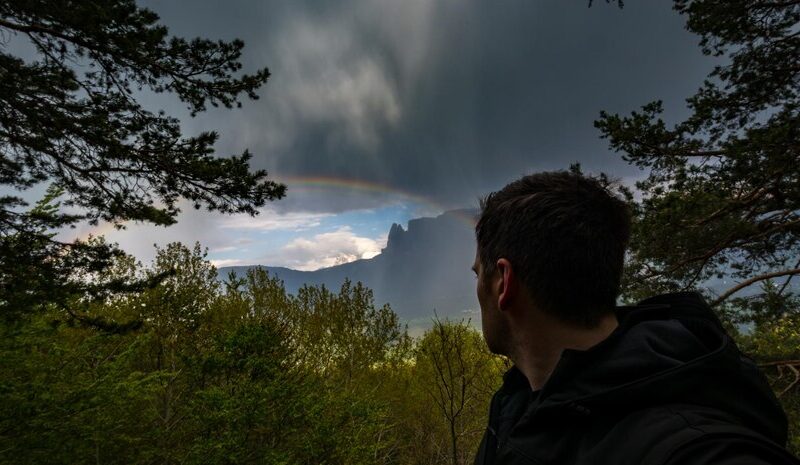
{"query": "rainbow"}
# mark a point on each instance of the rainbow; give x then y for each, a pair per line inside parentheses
(324, 182)
(83, 231)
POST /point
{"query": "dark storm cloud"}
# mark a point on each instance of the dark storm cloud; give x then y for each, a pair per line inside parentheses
(446, 99)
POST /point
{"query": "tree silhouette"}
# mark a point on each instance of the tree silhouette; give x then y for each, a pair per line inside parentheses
(722, 198)
(69, 116)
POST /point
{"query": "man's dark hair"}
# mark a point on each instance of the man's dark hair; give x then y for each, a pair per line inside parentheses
(565, 235)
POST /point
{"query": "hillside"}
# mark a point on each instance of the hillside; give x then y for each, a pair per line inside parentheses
(421, 269)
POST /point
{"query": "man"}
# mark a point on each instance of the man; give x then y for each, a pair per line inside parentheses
(657, 383)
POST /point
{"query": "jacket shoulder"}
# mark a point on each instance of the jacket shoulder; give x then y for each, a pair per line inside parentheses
(724, 449)
(658, 435)
(690, 434)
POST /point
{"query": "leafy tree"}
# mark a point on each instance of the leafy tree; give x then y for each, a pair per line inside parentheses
(344, 334)
(208, 378)
(775, 339)
(722, 197)
(249, 404)
(69, 116)
(68, 394)
(459, 375)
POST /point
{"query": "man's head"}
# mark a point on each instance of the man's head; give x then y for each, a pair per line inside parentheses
(562, 237)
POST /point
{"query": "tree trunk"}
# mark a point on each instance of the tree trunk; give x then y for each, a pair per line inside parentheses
(453, 441)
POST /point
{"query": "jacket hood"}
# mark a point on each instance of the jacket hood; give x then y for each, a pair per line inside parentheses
(670, 349)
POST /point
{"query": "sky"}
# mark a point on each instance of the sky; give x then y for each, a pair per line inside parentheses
(379, 111)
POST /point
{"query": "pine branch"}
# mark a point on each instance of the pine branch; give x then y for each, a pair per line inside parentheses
(751, 281)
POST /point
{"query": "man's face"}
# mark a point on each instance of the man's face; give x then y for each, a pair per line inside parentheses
(495, 327)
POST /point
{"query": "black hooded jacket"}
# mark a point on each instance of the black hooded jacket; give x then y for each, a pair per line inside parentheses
(668, 386)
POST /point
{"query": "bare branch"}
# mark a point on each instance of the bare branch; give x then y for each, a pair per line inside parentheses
(776, 363)
(751, 281)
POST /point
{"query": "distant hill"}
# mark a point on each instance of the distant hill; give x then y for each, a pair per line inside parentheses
(422, 269)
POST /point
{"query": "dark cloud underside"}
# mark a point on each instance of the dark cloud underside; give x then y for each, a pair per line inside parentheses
(447, 99)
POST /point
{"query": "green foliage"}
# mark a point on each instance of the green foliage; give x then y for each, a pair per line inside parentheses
(71, 118)
(37, 272)
(775, 341)
(251, 404)
(238, 372)
(344, 333)
(721, 198)
(458, 375)
(68, 396)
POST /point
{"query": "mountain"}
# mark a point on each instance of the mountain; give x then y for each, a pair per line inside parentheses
(421, 269)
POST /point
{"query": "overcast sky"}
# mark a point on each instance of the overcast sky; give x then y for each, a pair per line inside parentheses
(379, 111)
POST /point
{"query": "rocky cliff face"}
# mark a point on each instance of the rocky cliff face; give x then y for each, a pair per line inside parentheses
(421, 269)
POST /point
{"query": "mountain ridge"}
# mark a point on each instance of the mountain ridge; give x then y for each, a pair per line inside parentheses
(424, 268)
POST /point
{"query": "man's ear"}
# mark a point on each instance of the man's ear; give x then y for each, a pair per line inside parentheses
(506, 284)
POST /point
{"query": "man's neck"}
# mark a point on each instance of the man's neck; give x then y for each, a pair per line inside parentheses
(537, 353)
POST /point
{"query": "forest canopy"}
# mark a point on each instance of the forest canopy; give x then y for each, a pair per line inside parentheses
(241, 372)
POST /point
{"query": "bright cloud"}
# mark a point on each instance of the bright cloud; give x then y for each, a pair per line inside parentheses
(329, 249)
(274, 221)
(229, 262)
(227, 248)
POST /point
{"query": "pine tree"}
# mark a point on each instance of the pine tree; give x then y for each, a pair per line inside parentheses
(722, 197)
(69, 117)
